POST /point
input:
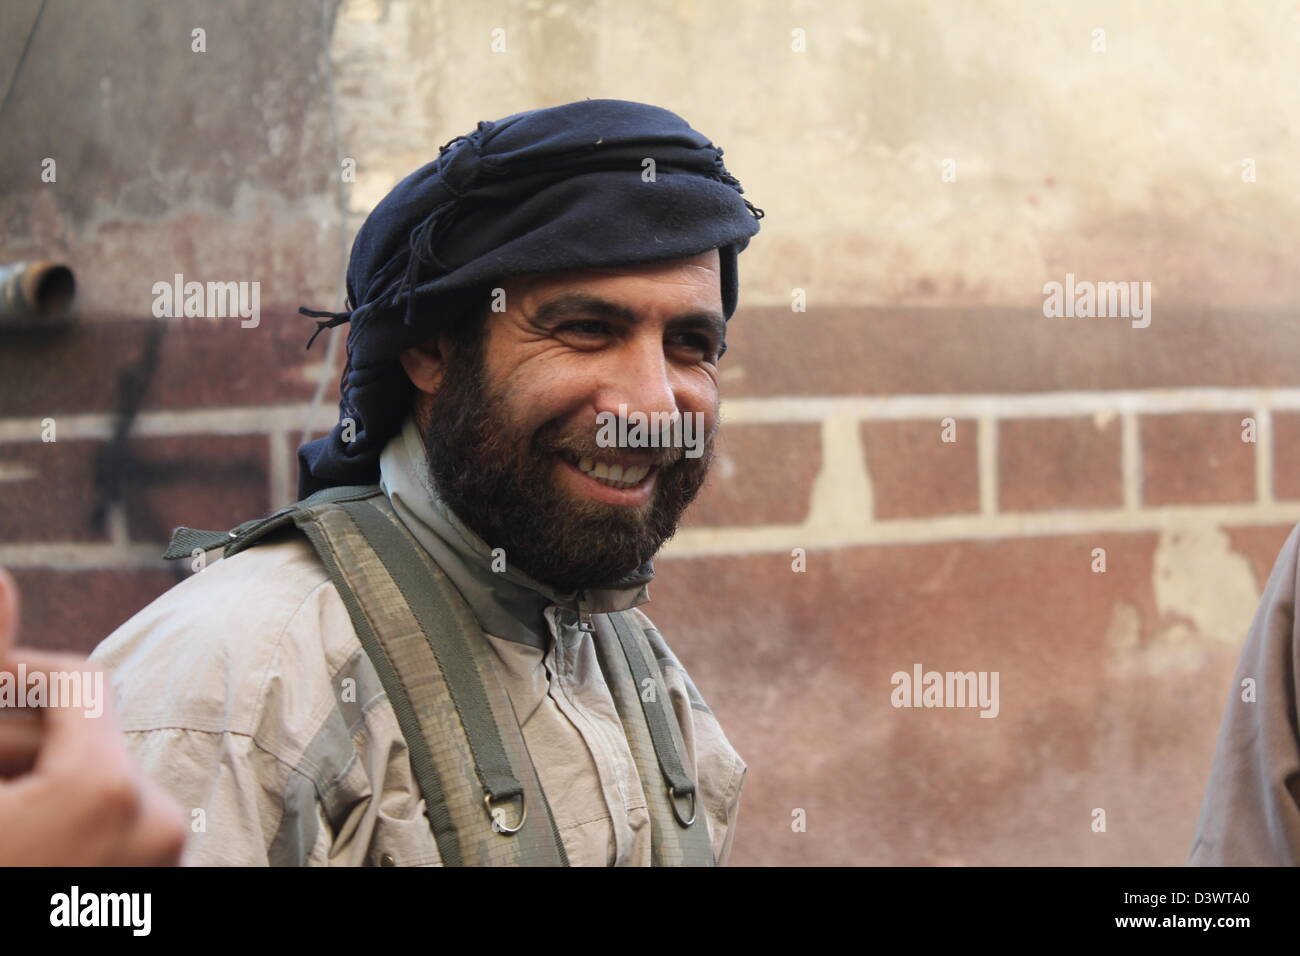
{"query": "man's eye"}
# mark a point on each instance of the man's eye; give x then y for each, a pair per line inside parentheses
(585, 327)
(700, 343)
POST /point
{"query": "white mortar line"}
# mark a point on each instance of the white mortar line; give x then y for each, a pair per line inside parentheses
(987, 450)
(80, 556)
(280, 481)
(119, 535)
(17, 471)
(1027, 405)
(696, 542)
(240, 420)
(1264, 455)
(1131, 460)
(699, 542)
(841, 494)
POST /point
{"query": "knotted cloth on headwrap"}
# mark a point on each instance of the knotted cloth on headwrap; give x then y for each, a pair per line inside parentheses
(541, 191)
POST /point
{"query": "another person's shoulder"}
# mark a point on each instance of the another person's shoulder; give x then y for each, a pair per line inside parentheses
(1278, 597)
(207, 652)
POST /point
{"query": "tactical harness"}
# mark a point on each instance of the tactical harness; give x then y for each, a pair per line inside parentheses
(460, 727)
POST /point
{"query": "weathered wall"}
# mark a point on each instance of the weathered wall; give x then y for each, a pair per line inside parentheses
(925, 169)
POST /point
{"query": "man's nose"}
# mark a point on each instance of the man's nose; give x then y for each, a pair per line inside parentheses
(640, 379)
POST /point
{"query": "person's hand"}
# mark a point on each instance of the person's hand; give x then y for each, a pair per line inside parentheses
(69, 793)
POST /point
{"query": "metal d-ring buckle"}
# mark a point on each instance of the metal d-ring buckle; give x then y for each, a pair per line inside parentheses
(500, 827)
(672, 798)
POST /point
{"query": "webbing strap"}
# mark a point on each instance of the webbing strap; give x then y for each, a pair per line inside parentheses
(623, 651)
(432, 608)
(670, 762)
(426, 773)
(185, 541)
(463, 735)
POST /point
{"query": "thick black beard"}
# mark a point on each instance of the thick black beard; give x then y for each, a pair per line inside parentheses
(499, 482)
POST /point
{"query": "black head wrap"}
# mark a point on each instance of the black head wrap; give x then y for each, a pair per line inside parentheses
(541, 191)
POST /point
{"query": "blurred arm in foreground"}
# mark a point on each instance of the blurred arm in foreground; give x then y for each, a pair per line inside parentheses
(69, 794)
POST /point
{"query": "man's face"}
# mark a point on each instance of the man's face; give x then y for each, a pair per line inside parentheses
(513, 433)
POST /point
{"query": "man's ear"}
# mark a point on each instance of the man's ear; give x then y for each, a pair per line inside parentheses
(426, 363)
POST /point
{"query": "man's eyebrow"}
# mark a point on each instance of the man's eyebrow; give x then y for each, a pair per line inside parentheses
(570, 305)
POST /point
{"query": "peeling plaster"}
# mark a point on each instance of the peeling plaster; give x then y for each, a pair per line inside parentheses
(1198, 577)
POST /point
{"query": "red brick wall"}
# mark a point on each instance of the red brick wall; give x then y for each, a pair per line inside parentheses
(978, 554)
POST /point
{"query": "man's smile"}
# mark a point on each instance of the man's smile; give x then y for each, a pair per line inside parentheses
(609, 478)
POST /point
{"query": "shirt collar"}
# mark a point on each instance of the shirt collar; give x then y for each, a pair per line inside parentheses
(509, 603)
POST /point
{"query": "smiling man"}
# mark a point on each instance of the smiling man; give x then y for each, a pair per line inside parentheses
(512, 428)
(438, 656)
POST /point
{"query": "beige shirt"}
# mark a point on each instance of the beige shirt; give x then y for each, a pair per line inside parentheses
(227, 692)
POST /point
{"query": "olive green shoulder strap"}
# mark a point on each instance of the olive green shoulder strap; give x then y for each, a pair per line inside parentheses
(191, 542)
(679, 830)
(482, 796)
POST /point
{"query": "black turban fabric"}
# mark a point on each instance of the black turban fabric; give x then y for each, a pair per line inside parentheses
(541, 191)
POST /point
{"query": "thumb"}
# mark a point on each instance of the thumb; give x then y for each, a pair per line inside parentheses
(9, 611)
(74, 734)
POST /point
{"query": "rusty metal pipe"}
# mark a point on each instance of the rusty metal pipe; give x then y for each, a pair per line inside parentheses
(35, 291)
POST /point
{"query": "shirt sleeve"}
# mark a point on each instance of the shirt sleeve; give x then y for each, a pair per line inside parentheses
(1250, 815)
(226, 698)
(732, 812)
(233, 794)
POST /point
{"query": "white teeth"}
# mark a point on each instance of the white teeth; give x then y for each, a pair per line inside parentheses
(616, 475)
